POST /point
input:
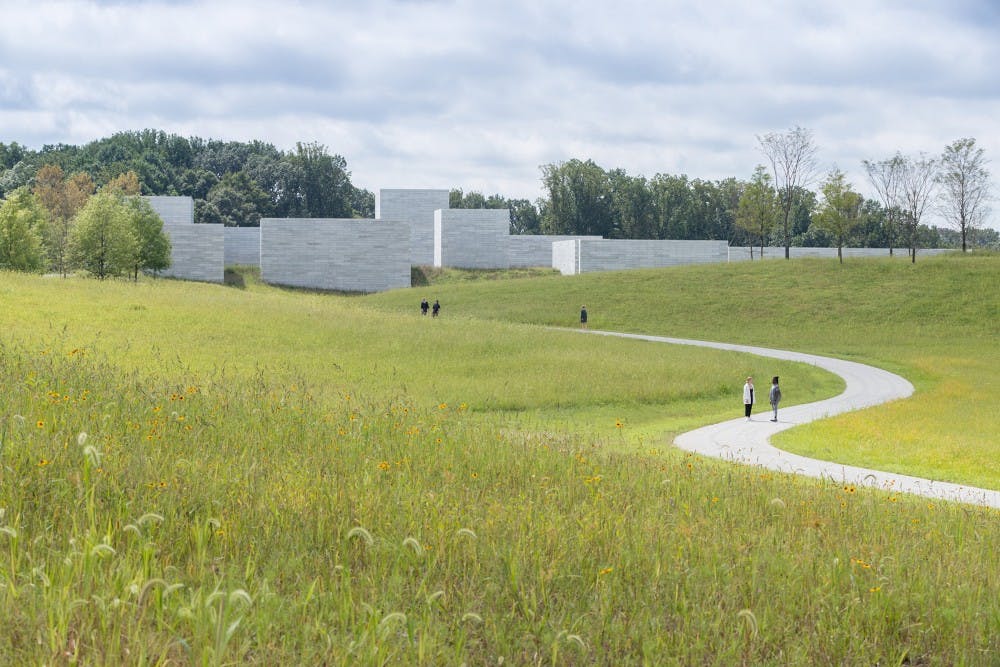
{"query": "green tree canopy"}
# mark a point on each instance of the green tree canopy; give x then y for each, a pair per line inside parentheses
(22, 227)
(154, 245)
(103, 239)
(840, 211)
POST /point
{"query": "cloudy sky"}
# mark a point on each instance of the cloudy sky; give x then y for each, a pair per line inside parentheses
(478, 95)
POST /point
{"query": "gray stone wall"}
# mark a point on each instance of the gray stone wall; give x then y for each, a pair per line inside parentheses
(588, 255)
(342, 254)
(173, 210)
(196, 252)
(242, 246)
(528, 250)
(416, 208)
(471, 238)
(738, 254)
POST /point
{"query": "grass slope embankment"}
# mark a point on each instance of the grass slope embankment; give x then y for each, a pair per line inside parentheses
(936, 322)
(194, 474)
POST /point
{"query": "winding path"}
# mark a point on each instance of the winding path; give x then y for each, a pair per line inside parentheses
(749, 442)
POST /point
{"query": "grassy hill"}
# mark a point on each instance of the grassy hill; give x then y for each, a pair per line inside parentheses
(215, 475)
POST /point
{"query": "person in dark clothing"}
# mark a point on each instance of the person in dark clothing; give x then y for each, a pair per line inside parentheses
(424, 306)
(435, 309)
(583, 316)
(775, 397)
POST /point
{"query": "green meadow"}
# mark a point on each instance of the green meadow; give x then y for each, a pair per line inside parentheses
(204, 474)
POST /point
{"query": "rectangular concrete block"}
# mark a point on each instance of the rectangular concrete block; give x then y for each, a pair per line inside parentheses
(416, 208)
(196, 252)
(341, 254)
(173, 210)
(470, 238)
(530, 250)
(242, 246)
(586, 255)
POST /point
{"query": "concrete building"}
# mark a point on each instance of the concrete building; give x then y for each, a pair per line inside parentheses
(415, 208)
(342, 254)
(471, 238)
(589, 255)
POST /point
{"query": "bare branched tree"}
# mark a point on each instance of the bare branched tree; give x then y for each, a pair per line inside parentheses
(917, 178)
(884, 176)
(965, 187)
(792, 155)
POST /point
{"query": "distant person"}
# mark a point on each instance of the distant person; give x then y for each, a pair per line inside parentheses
(748, 397)
(436, 309)
(424, 306)
(583, 317)
(775, 397)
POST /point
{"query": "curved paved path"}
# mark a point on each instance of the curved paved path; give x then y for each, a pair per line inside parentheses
(748, 442)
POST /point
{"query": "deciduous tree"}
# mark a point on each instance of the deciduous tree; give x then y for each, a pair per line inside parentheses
(153, 244)
(964, 187)
(22, 224)
(885, 177)
(792, 156)
(917, 177)
(839, 213)
(758, 208)
(103, 239)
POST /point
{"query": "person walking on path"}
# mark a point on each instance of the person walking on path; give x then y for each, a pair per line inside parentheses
(424, 306)
(748, 397)
(436, 309)
(583, 317)
(775, 397)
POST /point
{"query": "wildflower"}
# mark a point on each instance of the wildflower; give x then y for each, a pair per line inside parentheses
(618, 423)
(475, 475)
(874, 589)
(383, 465)
(606, 570)
(40, 423)
(43, 462)
(849, 488)
(443, 406)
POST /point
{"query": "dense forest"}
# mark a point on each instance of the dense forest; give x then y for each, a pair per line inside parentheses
(237, 183)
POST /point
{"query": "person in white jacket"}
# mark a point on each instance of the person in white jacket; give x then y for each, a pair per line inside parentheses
(748, 397)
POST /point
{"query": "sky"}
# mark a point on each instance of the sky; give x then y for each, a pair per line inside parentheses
(479, 95)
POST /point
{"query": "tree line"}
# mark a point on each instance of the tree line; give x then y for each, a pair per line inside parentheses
(237, 183)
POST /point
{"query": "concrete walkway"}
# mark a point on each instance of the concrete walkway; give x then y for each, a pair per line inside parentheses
(748, 442)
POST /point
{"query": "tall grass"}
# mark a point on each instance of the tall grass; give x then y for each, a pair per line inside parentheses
(193, 474)
(217, 519)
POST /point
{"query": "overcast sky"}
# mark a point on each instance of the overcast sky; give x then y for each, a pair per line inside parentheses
(478, 95)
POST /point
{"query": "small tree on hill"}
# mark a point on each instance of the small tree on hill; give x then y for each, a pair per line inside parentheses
(758, 207)
(916, 187)
(840, 211)
(154, 245)
(965, 187)
(103, 239)
(22, 227)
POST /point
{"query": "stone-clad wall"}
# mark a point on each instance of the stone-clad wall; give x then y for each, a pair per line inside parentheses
(342, 254)
(737, 253)
(243, 246)
(415, 207)
(526, 250)
(588, 255)
(196, 252)
(471, 238)
(173, 210)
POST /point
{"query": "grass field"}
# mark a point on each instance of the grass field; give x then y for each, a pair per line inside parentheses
(196, 474)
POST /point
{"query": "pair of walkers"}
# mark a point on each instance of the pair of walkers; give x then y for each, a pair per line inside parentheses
(774, 396)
